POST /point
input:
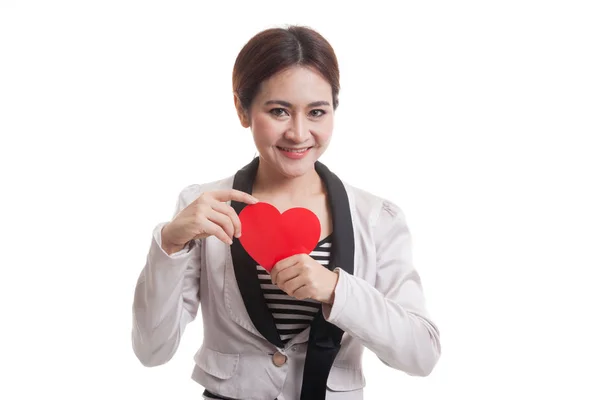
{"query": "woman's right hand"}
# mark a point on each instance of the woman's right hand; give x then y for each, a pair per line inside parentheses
(208, 215)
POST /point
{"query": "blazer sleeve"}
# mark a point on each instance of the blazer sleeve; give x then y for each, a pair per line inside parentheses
(166, 297)
(389, 318)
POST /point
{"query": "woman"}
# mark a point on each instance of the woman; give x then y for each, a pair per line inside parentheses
(299, 331)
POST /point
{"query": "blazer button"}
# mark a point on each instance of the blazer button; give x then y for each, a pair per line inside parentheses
(279, 359)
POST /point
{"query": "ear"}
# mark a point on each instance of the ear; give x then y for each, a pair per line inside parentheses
(242, 114)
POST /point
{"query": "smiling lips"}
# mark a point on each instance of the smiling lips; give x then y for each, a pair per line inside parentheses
(294, 154)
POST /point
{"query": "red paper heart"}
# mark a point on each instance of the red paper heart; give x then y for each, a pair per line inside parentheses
(269, 236)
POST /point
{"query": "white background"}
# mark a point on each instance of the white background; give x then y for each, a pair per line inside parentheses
(479, 118)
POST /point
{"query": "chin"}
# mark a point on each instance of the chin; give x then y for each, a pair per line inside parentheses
(296, 171)
(292, 168)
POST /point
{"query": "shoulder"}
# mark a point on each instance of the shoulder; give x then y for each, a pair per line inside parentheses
(192, 191)
(374, 207)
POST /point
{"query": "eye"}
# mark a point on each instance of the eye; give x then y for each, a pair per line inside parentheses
(278, 112)
(317, 113)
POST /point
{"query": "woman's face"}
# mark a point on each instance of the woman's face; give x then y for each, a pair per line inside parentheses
(291, 119)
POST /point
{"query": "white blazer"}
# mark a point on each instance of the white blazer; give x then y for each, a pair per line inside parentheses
(379, 305)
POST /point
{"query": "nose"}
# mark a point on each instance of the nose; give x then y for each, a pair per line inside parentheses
(298, 130)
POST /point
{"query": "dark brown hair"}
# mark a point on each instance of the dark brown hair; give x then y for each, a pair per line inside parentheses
(276, 49)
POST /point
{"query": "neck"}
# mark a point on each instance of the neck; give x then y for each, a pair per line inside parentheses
(270, 181)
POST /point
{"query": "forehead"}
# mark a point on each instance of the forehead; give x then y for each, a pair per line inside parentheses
(296, 85)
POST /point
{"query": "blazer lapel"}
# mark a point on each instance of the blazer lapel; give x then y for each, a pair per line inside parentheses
(342, 254)
(245, 267)
(325, 338)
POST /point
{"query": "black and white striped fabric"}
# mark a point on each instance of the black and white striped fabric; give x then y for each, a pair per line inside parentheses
(292, 316)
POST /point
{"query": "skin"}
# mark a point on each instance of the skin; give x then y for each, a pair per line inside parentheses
(293, 109)
(208, 215)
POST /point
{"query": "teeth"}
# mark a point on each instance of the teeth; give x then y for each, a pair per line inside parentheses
(294, 150)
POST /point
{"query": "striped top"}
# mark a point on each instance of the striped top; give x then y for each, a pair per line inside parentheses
(292, 316)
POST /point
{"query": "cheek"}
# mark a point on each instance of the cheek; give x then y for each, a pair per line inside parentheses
(324, 131)
(264, 128)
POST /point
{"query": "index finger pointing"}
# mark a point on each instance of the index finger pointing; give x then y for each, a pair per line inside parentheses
(234, 194)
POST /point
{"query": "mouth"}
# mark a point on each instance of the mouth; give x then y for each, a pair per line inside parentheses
(294, 150)
(294, 153)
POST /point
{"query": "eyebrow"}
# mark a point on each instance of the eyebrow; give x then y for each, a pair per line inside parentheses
(289, 105)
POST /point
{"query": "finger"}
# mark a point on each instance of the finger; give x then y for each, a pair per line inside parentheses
(287, 262)
(222, 220)
(230, 212)
(233, 194)
(302, 293)
(294, 285)
(285, 275)
(282, 265)
(217, 231)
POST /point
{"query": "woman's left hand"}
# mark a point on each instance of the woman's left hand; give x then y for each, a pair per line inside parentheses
(302, 277)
